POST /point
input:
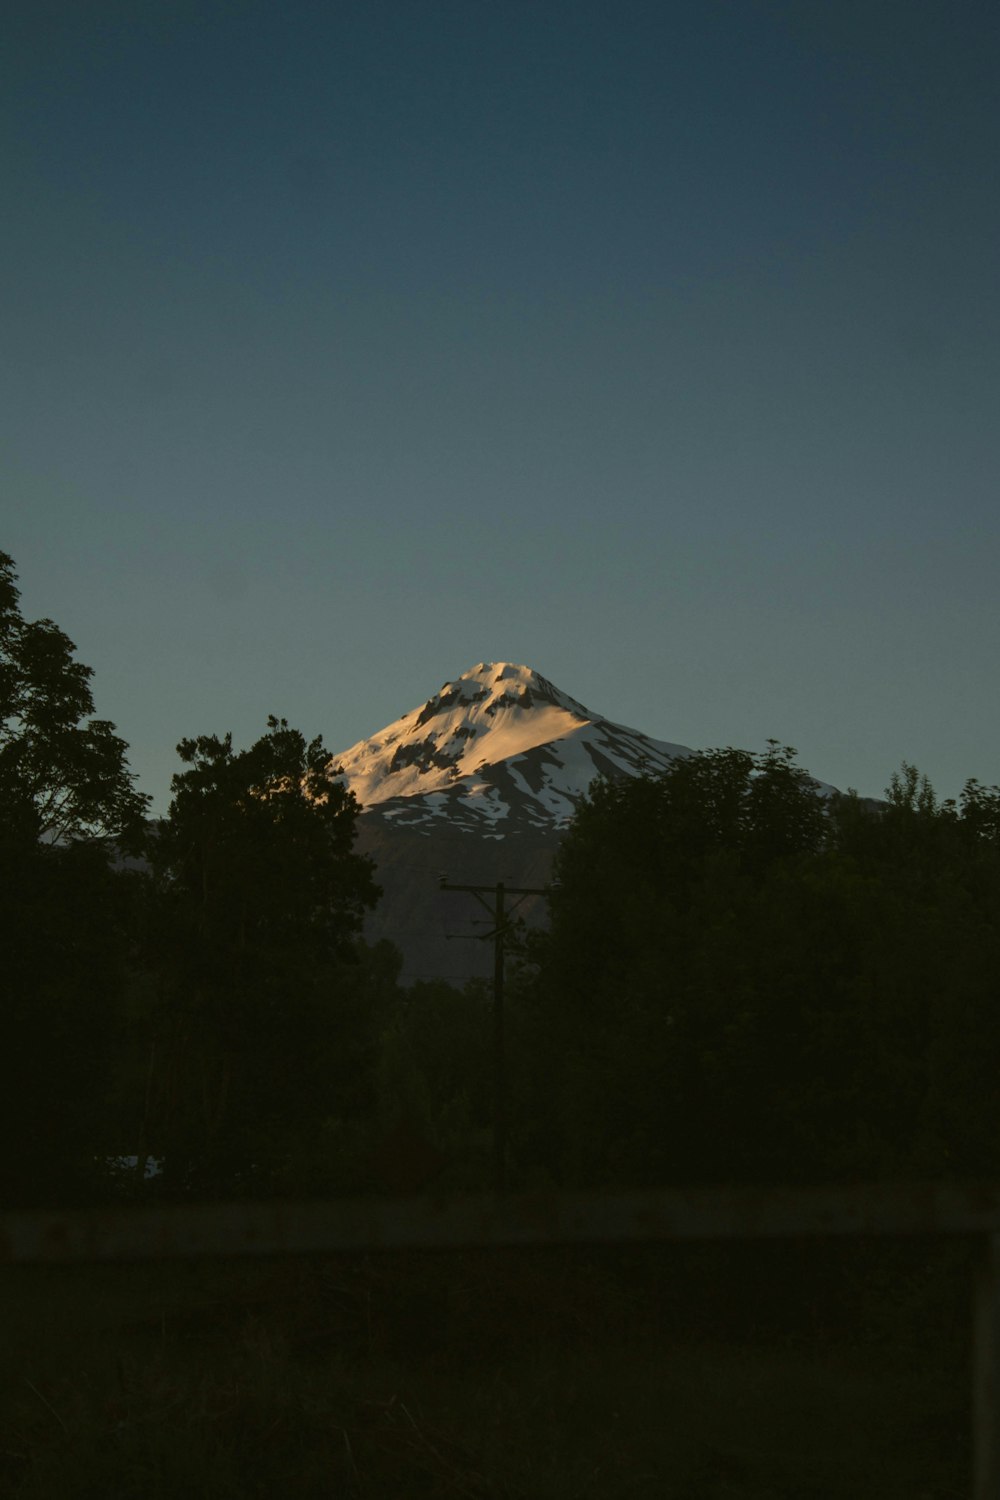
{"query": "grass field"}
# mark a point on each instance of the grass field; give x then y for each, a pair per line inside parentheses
(488, 1374)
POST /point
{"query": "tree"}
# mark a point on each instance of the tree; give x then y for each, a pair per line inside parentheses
(745, 982)
(65, 787)
(261, 899)
(63, 775)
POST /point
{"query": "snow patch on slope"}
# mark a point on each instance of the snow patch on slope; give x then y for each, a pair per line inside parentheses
(498, 749)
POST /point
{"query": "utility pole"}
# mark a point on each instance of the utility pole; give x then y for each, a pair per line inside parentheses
(499, 914)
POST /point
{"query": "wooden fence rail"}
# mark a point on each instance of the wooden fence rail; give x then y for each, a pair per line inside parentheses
(230, 1229)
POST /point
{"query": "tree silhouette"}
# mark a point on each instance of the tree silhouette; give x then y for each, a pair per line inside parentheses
(63, 775)
(260, 903)
(745, 982)
(65, 789)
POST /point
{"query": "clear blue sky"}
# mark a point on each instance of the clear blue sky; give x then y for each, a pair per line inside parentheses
(654, 345)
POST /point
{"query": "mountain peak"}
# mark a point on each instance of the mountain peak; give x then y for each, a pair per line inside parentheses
(498, 748)
(499, 685)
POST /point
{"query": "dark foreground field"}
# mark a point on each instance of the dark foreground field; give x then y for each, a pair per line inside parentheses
(523, 1374)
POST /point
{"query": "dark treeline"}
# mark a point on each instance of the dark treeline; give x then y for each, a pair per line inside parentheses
(742, 981)
(754, 984)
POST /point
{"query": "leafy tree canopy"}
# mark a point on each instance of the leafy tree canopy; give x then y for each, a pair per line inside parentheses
(745, 981)
(260, 902)
(63, 775)
(641, 852)
(65, 786)
(259, 844)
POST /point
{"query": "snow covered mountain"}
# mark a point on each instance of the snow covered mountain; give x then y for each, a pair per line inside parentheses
(498, 751)
(479, 784)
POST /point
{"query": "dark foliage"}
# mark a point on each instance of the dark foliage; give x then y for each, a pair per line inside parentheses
(263, 1032)
(744, 982)
(63, 774)
(65, 789)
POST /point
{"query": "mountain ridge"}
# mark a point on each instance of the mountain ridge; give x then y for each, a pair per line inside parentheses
(498, 750)
(479, 783)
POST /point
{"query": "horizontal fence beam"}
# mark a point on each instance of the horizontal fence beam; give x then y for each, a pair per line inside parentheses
(234, 1229)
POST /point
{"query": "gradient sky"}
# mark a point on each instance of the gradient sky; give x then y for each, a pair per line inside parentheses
(654, 345)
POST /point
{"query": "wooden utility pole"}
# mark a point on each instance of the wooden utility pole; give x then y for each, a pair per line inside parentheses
(500, 915)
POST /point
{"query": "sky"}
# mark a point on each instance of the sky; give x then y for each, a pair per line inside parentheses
(652, 345)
